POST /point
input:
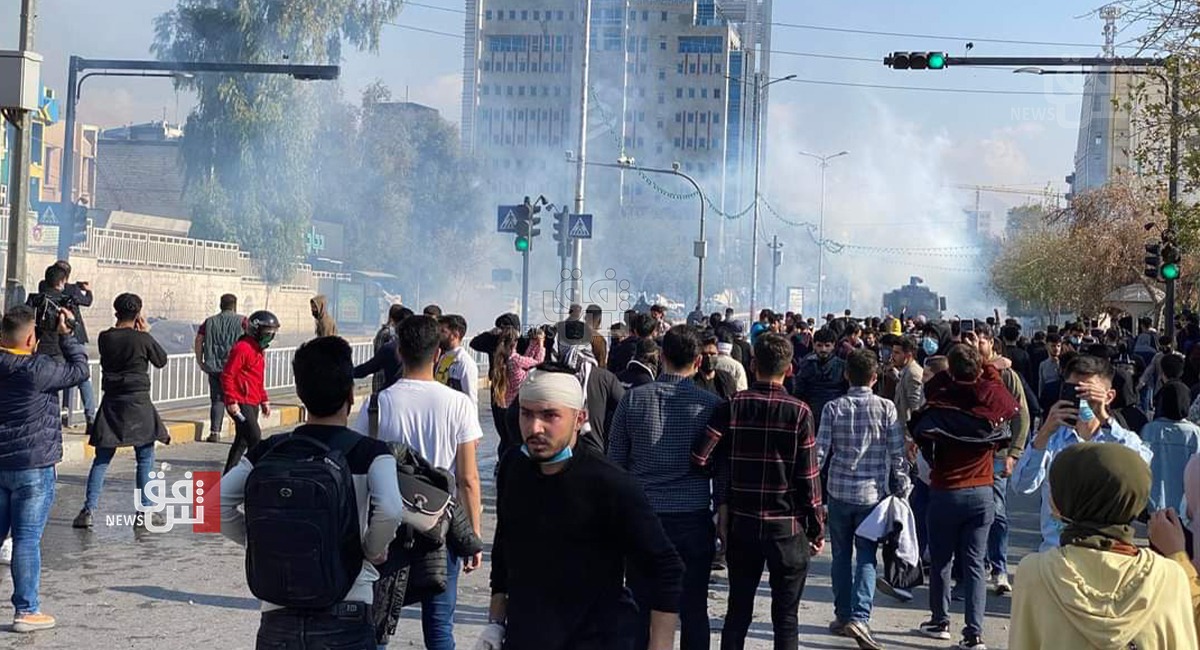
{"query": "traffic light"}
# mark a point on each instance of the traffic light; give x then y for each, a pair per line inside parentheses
(1153, 260)
(79, 218)
(916, 60)
(527, 225)
(560, 226)
(1170, 269)
(523, 242)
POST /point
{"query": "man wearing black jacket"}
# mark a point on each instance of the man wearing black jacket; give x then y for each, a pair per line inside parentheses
(56, 285)
(569, 524)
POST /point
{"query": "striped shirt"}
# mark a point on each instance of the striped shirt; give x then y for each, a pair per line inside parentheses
(651, 436)
(863, 441)
(762, 448)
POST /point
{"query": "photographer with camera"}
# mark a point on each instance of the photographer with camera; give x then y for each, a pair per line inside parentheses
(31, 445)
(75, 295)
(52, 297)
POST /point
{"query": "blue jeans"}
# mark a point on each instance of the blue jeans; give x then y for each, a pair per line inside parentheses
(437, 612)
(958, 526)
(26, 496)
(694, 536)
(997, 544)
(104, 456)
(853, 591)
(919, 501)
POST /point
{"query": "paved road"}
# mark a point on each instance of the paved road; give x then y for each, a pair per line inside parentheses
(112, 589)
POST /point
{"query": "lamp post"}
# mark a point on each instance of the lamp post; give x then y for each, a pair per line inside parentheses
(127, 68)
(700, 247)
(759, 88)
(824, 162)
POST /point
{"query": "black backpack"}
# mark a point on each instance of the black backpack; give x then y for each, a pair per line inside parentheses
(303, 545)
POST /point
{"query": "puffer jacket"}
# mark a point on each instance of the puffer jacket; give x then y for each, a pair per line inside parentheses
(417, 563)
(30, 424)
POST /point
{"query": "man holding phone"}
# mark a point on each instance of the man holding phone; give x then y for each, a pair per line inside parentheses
(1080, 415)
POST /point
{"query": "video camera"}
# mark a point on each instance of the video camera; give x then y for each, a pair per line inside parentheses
(46, 309)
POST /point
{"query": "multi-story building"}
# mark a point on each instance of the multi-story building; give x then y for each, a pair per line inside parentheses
(1107, 128)
(45, 157)
(140, 170)
(670, 81)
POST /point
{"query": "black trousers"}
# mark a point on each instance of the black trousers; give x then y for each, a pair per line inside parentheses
(216, 409)
(247, 434)
(694, 537)
(787, 561)
(346, 627)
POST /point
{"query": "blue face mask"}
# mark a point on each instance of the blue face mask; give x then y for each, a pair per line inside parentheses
(560, 457)
(930, 346)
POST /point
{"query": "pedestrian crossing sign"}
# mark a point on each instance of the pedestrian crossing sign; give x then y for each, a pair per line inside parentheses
(506, 218)
(580, 226)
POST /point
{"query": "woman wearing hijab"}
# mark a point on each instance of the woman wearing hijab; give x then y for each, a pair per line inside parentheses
(1174, 440)
(1098, 590)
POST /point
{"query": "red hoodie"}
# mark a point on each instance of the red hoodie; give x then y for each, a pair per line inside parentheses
(958, 464)
(243, 379)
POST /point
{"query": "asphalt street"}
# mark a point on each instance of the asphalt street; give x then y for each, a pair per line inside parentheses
(112, 587)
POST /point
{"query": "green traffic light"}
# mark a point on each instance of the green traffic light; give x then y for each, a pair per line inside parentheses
(521, 244)
(937, 61)
(1170, 271)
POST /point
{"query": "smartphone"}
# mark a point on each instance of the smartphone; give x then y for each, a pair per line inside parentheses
(966, 326)
(1069, 393)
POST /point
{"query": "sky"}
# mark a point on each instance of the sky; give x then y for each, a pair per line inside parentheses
(896, 136)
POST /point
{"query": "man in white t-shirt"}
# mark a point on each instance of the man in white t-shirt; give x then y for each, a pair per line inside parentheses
(442, 425)
(456, 368)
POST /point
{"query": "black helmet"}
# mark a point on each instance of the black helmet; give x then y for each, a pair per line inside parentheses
(262, 319)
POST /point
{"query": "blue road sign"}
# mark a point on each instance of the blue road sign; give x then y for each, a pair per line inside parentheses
(506, 218)
(47, 217)
(580, 226)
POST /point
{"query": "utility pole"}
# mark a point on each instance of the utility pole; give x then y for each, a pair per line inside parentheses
(776, 261)
(824, 161)
(18, 209)
(581, 167)
(1173, 185)
(757, 175)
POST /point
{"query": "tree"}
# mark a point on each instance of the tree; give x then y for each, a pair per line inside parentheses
(1077, 255)
(248, 148)
(392, 174)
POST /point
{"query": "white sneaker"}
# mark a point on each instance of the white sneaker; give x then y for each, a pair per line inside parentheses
(6, 552)
(1001, 584)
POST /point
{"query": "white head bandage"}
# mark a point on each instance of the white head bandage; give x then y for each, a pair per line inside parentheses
(725, 348)
(552, 388)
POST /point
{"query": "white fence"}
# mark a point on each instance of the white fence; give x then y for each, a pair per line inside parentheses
(139, 249)
(181, 381)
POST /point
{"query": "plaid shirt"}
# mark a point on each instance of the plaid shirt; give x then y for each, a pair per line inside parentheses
(651, 436)
(863, 441)
(761, 445)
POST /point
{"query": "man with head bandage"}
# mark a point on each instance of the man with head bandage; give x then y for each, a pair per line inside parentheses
(568, 522)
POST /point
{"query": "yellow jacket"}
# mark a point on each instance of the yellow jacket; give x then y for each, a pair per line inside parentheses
(1182, 560)
(1077, 598)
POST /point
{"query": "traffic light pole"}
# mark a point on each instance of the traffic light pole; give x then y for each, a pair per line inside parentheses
(1172, 188)
(525, 288)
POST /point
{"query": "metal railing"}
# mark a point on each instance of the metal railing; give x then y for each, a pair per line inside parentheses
(128, 248)
(182, 381)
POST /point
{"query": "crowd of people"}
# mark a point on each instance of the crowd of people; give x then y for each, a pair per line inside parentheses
(659, 454)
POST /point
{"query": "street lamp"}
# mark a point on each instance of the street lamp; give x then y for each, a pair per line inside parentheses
(700, 247)
(133, 68)
(824, 162)
(759, 88)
